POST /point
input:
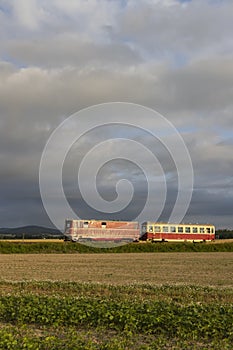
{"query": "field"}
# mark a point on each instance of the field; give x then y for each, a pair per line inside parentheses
(207, 269)
(116, 301)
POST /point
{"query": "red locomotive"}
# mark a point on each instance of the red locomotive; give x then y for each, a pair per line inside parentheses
(99, 230)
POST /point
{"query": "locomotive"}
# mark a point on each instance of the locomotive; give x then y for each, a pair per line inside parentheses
(98, 230)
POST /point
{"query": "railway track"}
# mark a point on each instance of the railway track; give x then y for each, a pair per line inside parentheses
(55, 240)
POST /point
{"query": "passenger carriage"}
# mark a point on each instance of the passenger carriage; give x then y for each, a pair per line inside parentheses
(169, 232)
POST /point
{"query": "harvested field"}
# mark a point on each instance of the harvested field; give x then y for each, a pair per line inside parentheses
(206, 269)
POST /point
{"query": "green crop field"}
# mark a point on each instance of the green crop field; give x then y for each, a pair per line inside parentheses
(116, 301)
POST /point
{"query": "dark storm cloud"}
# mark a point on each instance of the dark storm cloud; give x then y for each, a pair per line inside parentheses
(58, 57)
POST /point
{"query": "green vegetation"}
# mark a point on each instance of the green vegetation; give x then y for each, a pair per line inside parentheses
(68, 247)
(224, 234)
(59, 315)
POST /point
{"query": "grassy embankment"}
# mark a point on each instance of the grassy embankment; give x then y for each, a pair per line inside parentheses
(67, 247)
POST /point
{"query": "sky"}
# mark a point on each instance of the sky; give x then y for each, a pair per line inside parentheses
(59, 57)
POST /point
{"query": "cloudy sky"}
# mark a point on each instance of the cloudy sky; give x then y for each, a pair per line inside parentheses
(58, 57)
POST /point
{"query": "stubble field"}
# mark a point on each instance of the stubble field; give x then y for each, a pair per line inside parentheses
(206, 269)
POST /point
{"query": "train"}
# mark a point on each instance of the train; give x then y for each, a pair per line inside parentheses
(99, 230)
(132, 231)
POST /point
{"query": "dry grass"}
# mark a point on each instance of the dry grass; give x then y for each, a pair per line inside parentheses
(33, 240)
(219, 241)
(206, 269)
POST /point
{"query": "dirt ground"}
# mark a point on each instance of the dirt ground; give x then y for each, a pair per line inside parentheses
(206, 269)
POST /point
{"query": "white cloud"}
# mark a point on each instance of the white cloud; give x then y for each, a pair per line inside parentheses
(27, 13)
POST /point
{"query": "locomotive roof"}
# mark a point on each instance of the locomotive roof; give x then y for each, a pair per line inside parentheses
(102, 220)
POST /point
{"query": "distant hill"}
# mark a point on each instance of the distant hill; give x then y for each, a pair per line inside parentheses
(30, 231)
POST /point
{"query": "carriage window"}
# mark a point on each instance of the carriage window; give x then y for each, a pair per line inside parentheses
(165, 228)
(150, 228)
(202, 230)
(187, 229)
(157, 229)
(143, 228)
(194, 229)
(172, 229)
(208, 229)
(180, 229)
